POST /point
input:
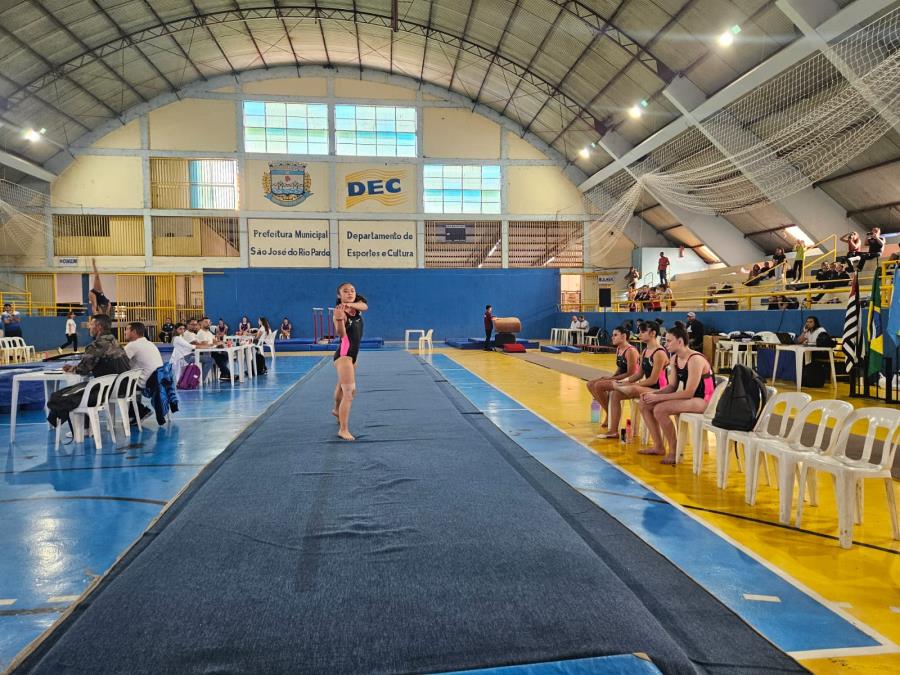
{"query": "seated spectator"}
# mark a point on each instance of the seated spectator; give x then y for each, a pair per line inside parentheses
(810, 333)
(221, 328)
(632, 304)
(656, 299)
(104, 356)
(650, 377)
(695, 333)
(689, 387)
(167, 331)
(583, 323)
(773, 302)
(753, 277)
(853, 245)
(642, 298)
(142, 354)
(875, 242)
(631, 277)
(711, 292)
(286, 329)
(668, 297)
(243, 326)
(777, 259)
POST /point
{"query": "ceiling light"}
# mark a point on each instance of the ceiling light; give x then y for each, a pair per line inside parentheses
(32, 135)
(635, 112)
(796, 233)
(585, 153)
(726, 39)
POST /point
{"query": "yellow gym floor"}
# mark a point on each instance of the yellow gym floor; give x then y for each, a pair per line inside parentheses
(863, 581)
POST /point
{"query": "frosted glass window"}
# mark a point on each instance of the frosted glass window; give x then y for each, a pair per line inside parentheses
(286, 128)
(461, 189)
(378, 131)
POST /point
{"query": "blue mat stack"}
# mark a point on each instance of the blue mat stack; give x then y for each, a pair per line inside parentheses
(433, 543)
(478, 343)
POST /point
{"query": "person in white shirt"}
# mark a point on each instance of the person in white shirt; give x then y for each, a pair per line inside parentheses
(205, 338)
(71, 334)
(11, 321)
(142, 354)
(182, 349)
(810, 333)
(582, 323)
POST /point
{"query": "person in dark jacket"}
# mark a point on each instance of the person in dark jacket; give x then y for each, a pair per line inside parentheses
(695, 332)
(104, 356)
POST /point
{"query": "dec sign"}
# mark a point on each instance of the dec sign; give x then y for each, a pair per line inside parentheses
(382, 186)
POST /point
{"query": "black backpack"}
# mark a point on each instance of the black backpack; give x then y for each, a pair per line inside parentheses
(742, 401)
(825, 340)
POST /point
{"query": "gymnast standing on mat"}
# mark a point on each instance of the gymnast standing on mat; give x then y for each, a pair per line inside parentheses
(348, 326)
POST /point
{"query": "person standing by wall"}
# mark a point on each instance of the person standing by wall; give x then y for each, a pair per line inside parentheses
(71, 334)
(12, 321)
(488, 326)
(663, 268)
(799, 259)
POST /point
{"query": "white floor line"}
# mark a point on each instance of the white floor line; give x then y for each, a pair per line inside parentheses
(63, 598)
(6, 602)
(761, 598)
(887, 646)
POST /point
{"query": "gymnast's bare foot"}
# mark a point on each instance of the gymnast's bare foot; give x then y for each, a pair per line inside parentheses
(651, 451)
(610, 434)
(335, 412)
(346, 435)
(668, 459)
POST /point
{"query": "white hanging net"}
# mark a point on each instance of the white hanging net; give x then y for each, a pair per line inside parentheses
(781, 138)
(21, 218)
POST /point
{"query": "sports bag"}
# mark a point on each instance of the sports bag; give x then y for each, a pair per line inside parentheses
(742, 401)
(190, 377)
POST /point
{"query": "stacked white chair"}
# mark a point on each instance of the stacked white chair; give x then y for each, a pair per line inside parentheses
(27, 351)
(101, 388)
(690, 426)
(722, 444)
(793, 402)
(850, 473)
(124, 394)
(792, 451)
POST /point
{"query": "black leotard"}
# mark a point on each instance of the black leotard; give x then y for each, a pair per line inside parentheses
(647, 367)
(622, 360)
(705, 388)
(349, 345)
(102, 300)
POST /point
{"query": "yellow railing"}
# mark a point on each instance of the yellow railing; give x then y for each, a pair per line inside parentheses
(831, 239)
(20, 299)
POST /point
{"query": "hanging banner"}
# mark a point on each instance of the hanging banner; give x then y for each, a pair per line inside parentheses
(376, 188)
(288, 243)
(371, 243)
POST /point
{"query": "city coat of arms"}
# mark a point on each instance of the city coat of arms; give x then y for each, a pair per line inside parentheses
(287, 183)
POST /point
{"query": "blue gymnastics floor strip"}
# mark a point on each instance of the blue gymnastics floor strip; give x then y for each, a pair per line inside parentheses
(623, 664)
(67, 514)
(798, 623)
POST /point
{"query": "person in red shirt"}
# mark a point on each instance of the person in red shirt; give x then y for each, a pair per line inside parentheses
(488, 327)
(663, 268)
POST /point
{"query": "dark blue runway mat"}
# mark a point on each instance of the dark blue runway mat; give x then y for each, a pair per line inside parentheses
(434, 543)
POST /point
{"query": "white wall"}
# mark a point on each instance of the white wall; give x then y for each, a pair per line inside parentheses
(647, 261)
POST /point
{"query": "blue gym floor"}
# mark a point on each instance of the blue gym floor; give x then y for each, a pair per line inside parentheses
(67, 514)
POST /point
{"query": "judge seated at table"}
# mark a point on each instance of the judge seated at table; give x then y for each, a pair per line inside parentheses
(810, 333)
(104, 356)
(205, 338)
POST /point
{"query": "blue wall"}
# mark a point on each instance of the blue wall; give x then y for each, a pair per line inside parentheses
(47, 333)
(450, 301)
(788, 320)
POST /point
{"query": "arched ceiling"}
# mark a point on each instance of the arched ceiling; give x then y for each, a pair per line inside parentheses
(565, 70)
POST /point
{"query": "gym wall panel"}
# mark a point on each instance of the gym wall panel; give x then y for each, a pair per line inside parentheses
(128, 137)
(194, 124)
(516, 148)
(450, 301)
(103, 182)
(453, 132)
(294, 86)
(281, 242)
(346, 88)
(253, 193)
(541, 189)
(377, 243)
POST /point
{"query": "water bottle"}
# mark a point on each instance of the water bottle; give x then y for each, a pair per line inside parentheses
(595, 412)
(622, 435)
(628, 432)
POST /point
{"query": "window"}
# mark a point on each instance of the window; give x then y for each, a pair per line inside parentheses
(91, 235)
(288, 128)
(193, 183)
(462, 189)
(381, 131)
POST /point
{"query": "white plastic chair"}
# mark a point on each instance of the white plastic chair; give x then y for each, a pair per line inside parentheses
(722, 444)
(426, 340)
(793, 402)
(850, 473)
(793, 450)
(270, 343)
(101, 387)
(124, 393)
(27, 351)
(690, 425)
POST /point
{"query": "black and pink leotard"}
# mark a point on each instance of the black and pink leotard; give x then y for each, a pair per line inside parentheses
(349, 345)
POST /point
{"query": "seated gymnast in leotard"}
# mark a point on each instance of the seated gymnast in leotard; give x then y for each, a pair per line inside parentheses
(627, 364)
(690, 386)
(650, 377)
(348, 326)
